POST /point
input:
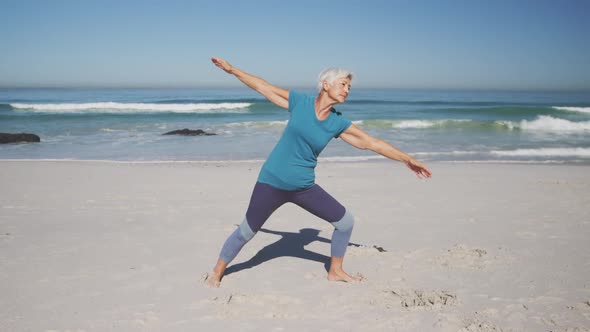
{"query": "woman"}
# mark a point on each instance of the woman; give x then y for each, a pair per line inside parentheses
(288, 173)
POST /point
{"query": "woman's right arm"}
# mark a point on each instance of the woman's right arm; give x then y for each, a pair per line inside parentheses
(274, 94)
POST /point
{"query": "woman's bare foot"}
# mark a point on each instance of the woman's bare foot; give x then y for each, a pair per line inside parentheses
(336, 273)
(340, 275)
(212, 279)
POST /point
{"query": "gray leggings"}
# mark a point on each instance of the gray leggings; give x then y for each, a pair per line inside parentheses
(266, 199)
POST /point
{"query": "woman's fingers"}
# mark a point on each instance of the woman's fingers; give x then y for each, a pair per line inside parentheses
(419, 169)
(221, 63)
(425, 172)
(218, 62)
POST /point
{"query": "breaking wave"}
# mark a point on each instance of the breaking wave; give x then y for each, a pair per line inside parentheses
(113, 107)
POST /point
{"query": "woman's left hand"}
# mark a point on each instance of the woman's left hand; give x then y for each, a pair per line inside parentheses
(417, 167)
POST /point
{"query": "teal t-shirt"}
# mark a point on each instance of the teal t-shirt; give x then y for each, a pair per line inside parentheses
(291, 164)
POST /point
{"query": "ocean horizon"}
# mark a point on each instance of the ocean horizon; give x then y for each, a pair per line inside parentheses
(127, 124)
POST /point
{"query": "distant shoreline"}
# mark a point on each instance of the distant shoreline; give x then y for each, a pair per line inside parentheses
(297, 87)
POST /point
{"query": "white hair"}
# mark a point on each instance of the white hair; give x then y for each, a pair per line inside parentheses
(331, 74)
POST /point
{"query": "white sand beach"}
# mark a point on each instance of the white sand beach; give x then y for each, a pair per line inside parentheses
(114, 246)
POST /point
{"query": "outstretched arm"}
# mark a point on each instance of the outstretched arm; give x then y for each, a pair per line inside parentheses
(360, 139)
(274, 94)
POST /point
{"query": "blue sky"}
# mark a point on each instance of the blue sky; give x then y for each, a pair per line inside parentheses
(525, 45)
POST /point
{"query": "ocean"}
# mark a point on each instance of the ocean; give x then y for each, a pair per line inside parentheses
(454, 126)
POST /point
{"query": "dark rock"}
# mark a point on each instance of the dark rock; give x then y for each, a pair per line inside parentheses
(379, 249)
(18, 138)
(188, 132)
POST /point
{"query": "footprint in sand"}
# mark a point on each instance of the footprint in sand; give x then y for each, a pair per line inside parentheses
(463, 256)
(147, 319)
(480, 326)
(583, 308)
(312, 276)
(416, 299)
(267, 306)
(6, 236)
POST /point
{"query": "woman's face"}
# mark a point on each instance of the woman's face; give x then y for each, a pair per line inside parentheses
(339, 89)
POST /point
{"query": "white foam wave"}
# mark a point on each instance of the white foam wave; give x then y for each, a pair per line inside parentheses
(350, 158)
(508, 124)
(410, 124)
(112, 107)
(548, 123)
(494, 161)
(573, 109)
(545, 152)
(414, 124)
(448, 153)
(248, 124)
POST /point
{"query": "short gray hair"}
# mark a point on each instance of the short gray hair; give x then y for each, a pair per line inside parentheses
(331, 74)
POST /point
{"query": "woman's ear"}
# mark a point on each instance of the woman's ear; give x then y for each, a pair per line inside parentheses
(325, 85)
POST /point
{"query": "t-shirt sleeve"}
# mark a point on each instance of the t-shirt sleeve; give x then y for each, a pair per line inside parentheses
(343, 124)
(294, 98)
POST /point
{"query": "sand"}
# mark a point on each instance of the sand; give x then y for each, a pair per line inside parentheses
(106, 246)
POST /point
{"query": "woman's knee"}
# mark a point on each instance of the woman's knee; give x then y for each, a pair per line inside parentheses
(246, 231)
(346, 223)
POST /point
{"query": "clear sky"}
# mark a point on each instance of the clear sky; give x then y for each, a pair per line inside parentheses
(492, 44)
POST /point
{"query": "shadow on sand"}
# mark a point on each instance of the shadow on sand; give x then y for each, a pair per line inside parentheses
(290, 245)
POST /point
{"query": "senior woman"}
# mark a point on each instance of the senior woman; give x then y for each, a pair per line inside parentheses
(288, 173)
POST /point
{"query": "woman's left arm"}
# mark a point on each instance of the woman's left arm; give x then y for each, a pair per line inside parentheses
(361, 140)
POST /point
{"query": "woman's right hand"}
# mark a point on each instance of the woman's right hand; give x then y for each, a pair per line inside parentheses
(221, 63)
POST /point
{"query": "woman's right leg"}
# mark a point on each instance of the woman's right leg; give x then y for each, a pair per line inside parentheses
(264, 201)
(318, 202)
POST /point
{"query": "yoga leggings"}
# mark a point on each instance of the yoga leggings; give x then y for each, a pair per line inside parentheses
(266, 199)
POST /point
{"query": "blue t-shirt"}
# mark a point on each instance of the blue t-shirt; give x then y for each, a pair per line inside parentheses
(291, 163)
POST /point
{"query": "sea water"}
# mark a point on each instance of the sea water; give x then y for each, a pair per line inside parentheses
(127, 124)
